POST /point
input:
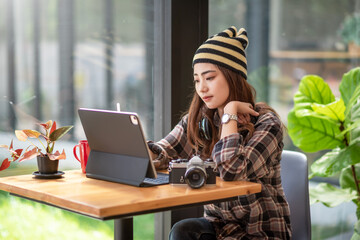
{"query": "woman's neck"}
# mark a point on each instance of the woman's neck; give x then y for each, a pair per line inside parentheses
(220, 111)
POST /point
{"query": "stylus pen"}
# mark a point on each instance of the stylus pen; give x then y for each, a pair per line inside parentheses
(118, 107)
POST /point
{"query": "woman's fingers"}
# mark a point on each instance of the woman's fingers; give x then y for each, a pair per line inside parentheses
(243, 118)
(247, 108)
(240, 108)
(253, 112)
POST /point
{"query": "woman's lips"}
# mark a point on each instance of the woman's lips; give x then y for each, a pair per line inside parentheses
(207, 98)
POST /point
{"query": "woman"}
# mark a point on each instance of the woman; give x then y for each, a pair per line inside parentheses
(243, 138)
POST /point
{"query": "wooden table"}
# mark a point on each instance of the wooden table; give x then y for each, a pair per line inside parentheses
(107, 200)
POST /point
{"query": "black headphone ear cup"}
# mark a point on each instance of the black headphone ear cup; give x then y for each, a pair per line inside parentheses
(201, 130)
(205, 130)
(208, 132)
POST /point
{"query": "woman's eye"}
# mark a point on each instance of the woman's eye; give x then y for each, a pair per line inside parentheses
(209, 78)
(196, 80)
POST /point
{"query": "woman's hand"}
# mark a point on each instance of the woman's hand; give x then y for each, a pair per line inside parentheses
(153, 155)
(154, 159)
(243, 118)
(242, 110)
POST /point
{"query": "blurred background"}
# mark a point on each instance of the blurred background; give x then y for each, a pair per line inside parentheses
(59, 55)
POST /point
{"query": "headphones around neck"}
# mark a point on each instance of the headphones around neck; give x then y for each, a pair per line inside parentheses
(205, 130)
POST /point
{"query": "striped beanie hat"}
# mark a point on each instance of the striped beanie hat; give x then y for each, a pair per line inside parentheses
(226, 49)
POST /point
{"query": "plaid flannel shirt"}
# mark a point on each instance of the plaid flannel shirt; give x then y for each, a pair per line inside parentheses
(263, 215)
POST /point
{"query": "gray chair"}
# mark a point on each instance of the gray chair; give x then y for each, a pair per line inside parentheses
(294, 175)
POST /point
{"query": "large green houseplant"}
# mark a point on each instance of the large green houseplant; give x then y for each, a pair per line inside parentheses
(319, 121)
(45, 155)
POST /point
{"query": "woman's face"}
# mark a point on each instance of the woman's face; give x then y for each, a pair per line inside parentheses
(211, 85)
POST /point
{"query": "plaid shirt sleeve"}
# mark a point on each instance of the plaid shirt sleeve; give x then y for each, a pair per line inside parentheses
(238, 161)
(173, 146)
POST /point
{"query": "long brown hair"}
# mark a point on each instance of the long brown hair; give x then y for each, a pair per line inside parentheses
(240, 90)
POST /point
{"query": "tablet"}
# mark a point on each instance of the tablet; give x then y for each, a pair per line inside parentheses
(119, 151)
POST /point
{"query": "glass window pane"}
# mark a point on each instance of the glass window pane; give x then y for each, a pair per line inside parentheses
(58, 56)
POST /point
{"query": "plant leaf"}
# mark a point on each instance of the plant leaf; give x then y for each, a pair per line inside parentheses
(53, 127)
(355, 118)
(5, 164)
(16, 154)
(313, 134)
(349, 83)
(322, 167)
(353, 100)
(310, 113)
(358, 212)
(334, 110)
(313, 89)
(32, 133)
(21, 135)
(355, 236)
(353, 126)
(346, 178)
(29, 154)
(352, 151)
(357, 227)
(329, 195)
(57, 155)
(334, 161)
(59, 133)
(46, 125)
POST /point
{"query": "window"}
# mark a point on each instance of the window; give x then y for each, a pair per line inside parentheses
(57, 56)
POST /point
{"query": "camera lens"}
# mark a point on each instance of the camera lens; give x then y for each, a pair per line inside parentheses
(195, 177)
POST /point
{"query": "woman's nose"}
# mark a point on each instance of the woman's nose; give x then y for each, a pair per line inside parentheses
(203, 86)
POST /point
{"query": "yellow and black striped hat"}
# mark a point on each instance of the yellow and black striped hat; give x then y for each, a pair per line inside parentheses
(226, 49)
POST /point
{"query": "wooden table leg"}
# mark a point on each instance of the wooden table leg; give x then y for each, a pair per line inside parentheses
(123, 229)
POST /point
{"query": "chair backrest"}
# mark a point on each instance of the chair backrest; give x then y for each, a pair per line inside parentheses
(294, 175)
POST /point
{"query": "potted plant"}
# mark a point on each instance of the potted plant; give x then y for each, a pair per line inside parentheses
(350, 32)
(319, 121)
(47, 159)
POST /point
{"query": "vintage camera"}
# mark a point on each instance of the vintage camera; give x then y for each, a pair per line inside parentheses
(195, 172)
